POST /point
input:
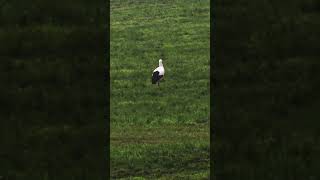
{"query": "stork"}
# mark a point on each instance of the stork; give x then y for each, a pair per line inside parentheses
(158, 73)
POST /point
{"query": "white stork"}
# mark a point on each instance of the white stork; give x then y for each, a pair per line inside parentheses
(158, 73)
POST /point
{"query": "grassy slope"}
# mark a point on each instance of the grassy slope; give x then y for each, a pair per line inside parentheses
(160, 131)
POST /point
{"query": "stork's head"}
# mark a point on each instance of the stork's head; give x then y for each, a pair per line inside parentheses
(160, 62)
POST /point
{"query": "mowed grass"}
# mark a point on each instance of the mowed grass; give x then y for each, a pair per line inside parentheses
(153, 152)
(160, 132)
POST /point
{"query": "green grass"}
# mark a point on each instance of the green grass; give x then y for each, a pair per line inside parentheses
(160, 132)
(155, 151)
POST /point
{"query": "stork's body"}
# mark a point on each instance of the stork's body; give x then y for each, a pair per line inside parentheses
(158, 73)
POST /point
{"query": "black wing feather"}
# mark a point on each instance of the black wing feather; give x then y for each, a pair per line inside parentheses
(156, 77)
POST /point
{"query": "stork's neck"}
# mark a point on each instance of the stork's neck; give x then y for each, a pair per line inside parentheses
(160, 64)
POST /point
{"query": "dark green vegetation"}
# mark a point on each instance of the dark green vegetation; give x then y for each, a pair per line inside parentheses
(160, 133)
(52, 59)
(266, 90)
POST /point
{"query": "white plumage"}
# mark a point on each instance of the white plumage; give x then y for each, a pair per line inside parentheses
(158, 73)
(160, 68)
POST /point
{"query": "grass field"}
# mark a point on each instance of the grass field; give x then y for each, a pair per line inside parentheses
(160, 132)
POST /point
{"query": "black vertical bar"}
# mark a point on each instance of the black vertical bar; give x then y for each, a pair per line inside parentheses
(212, 85)
(107, 81)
